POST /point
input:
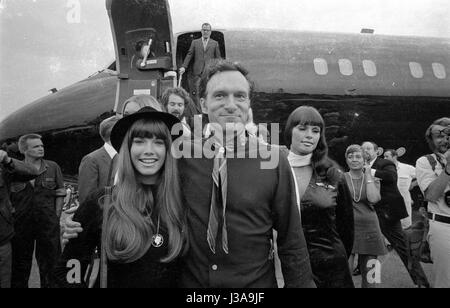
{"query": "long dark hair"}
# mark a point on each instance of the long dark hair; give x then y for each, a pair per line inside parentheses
(130, 227)
(307, 115)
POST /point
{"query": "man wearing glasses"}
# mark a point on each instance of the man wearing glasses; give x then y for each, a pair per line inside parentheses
(433, 176)
(202, 50)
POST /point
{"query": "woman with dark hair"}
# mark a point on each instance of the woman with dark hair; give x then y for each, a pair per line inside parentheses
(365, 191)
(325, 202)
(144, 232)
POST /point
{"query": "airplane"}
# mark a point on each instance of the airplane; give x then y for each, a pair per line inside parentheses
(386, 89)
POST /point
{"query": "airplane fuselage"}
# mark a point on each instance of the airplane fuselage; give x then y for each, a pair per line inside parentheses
(367, 87)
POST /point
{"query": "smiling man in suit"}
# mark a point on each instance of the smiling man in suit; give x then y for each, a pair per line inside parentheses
(202, 50)
(391, 209)
(95, 167)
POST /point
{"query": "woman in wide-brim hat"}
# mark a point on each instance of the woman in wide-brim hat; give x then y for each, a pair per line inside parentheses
(145, 226)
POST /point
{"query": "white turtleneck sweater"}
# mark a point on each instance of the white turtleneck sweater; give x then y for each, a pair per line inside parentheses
(302, 170)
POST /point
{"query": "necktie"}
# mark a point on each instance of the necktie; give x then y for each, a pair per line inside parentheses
(219, 195)
(205, 43)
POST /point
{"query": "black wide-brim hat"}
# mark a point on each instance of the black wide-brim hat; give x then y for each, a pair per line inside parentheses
(123, 125)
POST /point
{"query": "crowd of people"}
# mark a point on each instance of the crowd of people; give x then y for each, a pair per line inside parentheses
(150, 219)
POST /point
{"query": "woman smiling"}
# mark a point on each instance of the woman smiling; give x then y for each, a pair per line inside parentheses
(325, 205)
(144, 232)
(365, 192)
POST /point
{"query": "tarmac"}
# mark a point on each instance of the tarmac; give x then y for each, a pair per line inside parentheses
(393, 273)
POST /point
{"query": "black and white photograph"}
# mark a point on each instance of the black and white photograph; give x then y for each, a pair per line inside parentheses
(224, 147)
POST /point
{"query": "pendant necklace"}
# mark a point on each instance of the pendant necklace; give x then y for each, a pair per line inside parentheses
(354, 191)
(157, 239)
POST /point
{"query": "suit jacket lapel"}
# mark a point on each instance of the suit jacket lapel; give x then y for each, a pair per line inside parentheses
(200, 45)
(105, 155)
(113, 170)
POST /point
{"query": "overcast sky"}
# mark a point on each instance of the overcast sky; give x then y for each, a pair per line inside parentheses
(48, 44)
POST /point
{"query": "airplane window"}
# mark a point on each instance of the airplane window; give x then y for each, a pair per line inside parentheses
(320, 66)
(416, 69)
(439, 71)
(370, 68)
(346, 67)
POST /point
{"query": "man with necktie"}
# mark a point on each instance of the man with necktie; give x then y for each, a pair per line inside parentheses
(237, 190)
(202, 50)
(235, 201)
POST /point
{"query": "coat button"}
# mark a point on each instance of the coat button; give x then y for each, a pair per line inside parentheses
(214, 267)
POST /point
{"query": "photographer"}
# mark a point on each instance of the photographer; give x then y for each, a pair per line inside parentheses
(433, 176)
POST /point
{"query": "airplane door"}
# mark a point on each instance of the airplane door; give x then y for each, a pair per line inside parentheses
(142, 34)
(183, 43)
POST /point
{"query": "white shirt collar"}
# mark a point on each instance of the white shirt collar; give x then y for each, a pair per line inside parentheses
(110, 150)
(372, 161)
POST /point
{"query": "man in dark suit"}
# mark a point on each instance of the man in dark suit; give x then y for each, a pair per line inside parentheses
(202, 50)
(95, 167)
(391, 209)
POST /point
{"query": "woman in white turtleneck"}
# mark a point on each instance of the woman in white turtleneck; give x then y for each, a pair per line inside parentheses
(325, 201)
